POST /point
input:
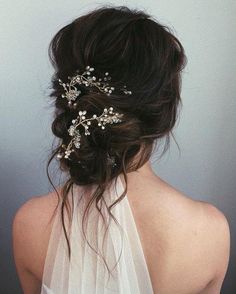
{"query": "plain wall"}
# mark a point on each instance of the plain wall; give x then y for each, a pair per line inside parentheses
(205, 168)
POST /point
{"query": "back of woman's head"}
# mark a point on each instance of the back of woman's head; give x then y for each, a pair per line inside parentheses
(137, 52)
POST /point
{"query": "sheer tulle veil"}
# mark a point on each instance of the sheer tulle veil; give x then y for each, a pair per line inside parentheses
(86, 272)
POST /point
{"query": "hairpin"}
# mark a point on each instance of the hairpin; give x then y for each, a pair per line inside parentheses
(88, 80)
(107, 117)
(111, 160)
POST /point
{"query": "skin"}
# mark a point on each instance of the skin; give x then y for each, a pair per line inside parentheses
(186, 243)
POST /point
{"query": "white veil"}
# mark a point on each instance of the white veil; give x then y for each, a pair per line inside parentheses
(86, 272)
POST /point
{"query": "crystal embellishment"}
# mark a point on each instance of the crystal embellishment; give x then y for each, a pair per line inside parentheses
(88, 80)
(107, 117)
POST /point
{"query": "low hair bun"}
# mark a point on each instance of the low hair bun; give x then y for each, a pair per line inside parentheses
(103, 149)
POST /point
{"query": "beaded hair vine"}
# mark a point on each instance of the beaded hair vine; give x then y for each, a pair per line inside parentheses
(88, 80)
(107, 117)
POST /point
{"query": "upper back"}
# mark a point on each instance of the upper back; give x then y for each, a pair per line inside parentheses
(185, 242)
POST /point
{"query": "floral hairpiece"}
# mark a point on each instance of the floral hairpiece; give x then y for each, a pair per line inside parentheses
(107, 117)
(88, 80)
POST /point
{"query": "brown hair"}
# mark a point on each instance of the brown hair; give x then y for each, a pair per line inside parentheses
(137, 51)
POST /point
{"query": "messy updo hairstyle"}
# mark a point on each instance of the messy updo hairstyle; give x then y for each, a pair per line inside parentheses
(138, 52)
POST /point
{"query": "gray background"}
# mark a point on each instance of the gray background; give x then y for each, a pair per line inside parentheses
(205, 169)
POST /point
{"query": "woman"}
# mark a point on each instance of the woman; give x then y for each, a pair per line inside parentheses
(115, 226)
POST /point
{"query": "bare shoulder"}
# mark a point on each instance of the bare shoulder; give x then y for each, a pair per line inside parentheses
(211, 245)
(216, 230)
(36, 204)
(34, 214)
(196, 234)
(190, 211)
(201, 218)
(31, 229)
(215, 221)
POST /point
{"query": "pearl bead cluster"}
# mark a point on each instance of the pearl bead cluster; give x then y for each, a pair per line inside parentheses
(88, 80)
(107, 117)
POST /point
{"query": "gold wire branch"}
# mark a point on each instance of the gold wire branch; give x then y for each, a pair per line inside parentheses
(107, 117)
(71, 92)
